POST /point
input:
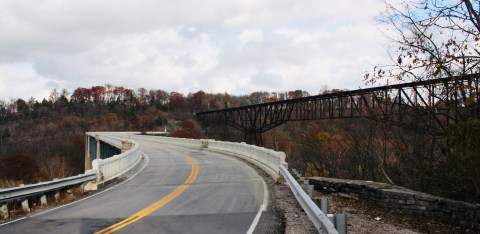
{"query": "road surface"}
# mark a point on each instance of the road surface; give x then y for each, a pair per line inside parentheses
(175, 190)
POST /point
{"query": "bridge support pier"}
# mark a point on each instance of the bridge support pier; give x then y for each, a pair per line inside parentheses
(97, 139)
(88, 163)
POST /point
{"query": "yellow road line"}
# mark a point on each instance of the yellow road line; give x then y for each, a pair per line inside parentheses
(158, 204)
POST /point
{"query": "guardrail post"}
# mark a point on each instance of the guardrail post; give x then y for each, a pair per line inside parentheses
(340, 222)
(57, 196)
(305, 181)
(324, 205)
(4, 211)
(25, 206)
(43, 200)
(310, 190)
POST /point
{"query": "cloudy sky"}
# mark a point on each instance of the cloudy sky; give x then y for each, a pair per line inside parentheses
(187, 45)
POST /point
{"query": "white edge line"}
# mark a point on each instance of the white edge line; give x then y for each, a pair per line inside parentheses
(93, 195)
(263, 208)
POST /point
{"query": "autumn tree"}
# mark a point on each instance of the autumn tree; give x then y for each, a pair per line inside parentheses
(197, 101)
(98, 94)
(142, 96)
(186, 129)
(297, 94)
(159, 99)
(178, 105)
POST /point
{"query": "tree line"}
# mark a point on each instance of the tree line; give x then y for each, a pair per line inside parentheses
(42, 140)
(45, 140)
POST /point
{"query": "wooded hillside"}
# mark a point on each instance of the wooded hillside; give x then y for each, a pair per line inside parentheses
(42, 140)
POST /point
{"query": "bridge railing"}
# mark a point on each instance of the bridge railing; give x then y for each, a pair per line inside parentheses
(111, 168)
(268, 160)
(117, 165)
(191, 143)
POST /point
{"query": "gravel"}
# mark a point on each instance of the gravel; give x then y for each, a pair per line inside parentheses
(286, 207)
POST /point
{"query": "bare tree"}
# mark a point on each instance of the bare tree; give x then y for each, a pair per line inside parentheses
(431, 38)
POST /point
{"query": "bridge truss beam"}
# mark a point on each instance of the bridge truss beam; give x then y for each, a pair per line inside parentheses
(428, 106)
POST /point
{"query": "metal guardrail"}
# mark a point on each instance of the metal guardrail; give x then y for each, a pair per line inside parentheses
(318, 218)
(107, 169)
(43, 187)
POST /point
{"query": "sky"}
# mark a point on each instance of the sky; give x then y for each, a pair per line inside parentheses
(185, 46)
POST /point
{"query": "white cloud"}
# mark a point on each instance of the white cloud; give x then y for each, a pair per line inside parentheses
(161, 59)
(187, 45)
(21, 80)
(250, 36)
(237, 20)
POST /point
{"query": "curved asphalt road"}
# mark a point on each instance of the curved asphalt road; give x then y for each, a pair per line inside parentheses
(225, 197)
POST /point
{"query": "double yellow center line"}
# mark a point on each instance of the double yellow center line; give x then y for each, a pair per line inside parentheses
(160, 203)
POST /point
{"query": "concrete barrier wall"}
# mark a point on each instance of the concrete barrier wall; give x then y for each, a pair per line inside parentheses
(111, 168)
(399, 198)
(192, 143)
(268, 160)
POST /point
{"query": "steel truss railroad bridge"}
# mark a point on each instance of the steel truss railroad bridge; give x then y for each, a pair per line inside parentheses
(428, 106)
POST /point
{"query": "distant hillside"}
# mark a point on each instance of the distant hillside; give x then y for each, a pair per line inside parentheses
(42, 140)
